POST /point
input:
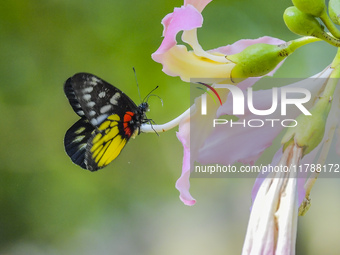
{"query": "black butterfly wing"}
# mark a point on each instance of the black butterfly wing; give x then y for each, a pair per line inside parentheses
(94, 148)
(96, 99)
(76, 141)
(104, 129)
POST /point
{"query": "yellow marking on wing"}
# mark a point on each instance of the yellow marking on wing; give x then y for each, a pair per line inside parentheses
(78, 139)
(107, 127)
(104, 125)
(112, 151)
(113, 124)
(103, 149)
(107, 147)
(117, 151)
(96, 138)
(114, 117)
(110, 135)
(100, 139)
(79, 130)
(95, 152)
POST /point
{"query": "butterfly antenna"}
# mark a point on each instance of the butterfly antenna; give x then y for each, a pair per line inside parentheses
(153, 95)
(148, 95)
(134, 71)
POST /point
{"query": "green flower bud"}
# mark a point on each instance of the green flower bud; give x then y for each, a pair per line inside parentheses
(334, 11)
(257, 60)
(302, 23)
(313, 7)
(310, 128)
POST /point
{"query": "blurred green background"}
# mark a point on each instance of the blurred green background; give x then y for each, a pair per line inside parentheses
(50, 206)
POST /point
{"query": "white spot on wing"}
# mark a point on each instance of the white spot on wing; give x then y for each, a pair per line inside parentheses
(81, 113)
(87, 97)
(94, 81)
(102, 94)
(82, 146)
(105, 108)
(92, 113)
(114, 98)
(94, 122)
(81, 129)
(99, 119)
(88, 90)
(78, 139)
(91, 104)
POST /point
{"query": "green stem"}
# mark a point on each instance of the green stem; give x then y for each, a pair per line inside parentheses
(329, 24)
(294, 44)
(336, 61)
(325, 101)
(331, 85)
(327, 144)
(322, 158)
(327, 38)
(310, 131)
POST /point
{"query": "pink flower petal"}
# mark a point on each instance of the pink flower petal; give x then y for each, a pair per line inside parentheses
(262, 176)
(198, 4)
(184, 18)
(183, 183)
(244, 43)
(237, 137)
(227, 145)
(301, 178)
(190, 134)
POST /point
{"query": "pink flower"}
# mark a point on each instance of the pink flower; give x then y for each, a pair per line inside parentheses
(178, 61)
(212, 64)
(278, 198)
(272, 225)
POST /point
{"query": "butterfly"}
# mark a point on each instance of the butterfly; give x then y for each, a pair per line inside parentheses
(108, 119)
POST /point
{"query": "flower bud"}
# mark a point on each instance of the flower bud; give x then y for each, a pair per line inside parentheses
(313, 7)
(310, 128)
(302, 23)
(334, 11)
(257, 60)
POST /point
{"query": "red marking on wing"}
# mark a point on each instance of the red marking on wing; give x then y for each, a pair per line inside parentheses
(127, 119)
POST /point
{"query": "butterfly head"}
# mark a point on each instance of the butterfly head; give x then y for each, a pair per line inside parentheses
(144, 107)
